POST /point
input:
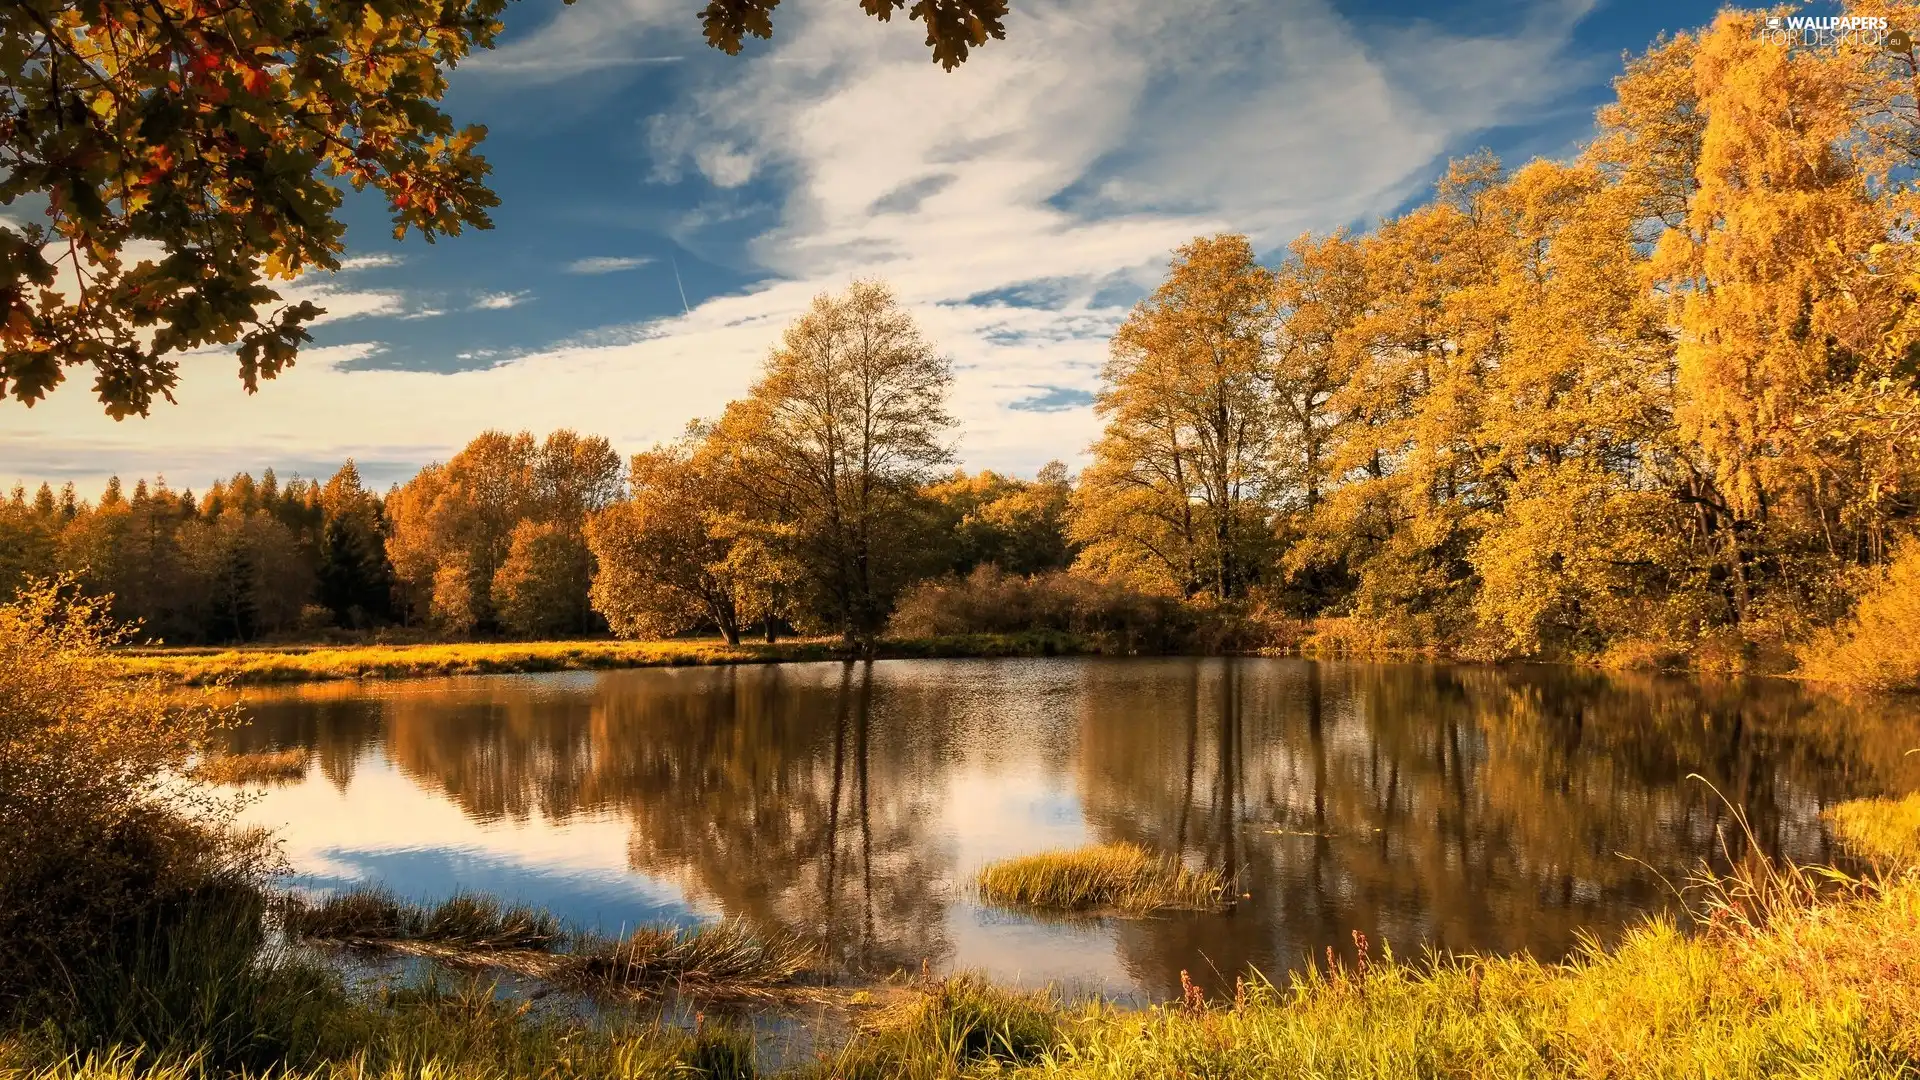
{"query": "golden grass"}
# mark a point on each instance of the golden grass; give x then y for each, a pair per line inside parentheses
(1878, 648)
(293, 664)
(1121, 877)
(1820, 983)
(272, 767)
(714, 960)
(1883, 831)
(1831, 991)
(265, 665)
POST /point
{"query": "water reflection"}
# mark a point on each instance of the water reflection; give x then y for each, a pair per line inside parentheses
(1461, 808)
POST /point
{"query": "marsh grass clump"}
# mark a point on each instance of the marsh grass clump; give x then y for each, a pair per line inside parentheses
(272, 767)
(370, 917)
(716, 959)
(723, 957)
(1882, 831)
(1122, 877)
(957, 1027)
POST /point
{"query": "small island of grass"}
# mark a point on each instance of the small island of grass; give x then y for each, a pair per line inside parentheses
(267, 767)
(1118, 877)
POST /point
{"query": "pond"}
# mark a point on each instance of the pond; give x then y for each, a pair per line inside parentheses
(1427, 806)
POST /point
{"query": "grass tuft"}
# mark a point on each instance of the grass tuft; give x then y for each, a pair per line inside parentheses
(1123, 877)
(723, 959)
(717, 957)
(960, 1026)
(275, 767)
(1883, 831)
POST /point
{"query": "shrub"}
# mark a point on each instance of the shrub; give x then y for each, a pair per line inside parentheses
(129, 912)
(1879, 647)
(95, 828)
(990, 601)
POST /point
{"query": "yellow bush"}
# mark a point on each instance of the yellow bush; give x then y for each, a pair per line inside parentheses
(96, 825)
(1879, 647)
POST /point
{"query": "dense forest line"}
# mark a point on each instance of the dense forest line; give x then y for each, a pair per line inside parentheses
(499, 540)
(1659, 403)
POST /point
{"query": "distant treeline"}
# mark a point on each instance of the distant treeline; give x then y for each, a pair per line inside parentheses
(496, 541)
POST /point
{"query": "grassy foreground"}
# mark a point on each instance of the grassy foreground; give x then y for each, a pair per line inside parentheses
(1787, 986)
(290, 664)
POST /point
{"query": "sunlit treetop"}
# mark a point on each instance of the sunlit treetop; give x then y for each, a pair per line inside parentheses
(164, 162)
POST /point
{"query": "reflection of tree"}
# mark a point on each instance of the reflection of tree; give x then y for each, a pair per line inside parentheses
(338, 729)
(1458, 807)
(779, 797)
(1454, 807)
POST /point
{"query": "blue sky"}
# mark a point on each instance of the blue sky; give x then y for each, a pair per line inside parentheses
(1018, 205)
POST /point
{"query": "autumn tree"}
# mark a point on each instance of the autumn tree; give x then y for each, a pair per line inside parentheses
(537, 591)
(666, 560)
(455, 522)
(1181, 490)
(1018, 525)
(826, 455)
(194, 153)
(1781, 294)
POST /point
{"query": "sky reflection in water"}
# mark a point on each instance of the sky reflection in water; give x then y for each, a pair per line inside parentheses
(1461, 808)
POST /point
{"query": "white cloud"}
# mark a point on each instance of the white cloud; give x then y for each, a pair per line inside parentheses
(340, 301)
(605, 264)
(1076, 154)
(500, 301)
(368, 262)
(587, 38)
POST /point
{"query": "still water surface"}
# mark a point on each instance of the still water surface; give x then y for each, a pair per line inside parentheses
(1426, 806)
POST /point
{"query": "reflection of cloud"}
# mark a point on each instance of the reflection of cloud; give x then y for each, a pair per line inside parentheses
(605, 264)
(384, 821)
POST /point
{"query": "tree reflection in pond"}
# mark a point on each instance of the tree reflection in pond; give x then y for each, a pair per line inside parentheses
(1425, 805)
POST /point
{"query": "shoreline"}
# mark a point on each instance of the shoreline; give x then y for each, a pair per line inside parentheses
(289, 664)
(294, 663)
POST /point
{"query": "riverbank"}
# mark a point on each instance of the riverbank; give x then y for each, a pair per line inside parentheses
(321, 663)
(1783, 978)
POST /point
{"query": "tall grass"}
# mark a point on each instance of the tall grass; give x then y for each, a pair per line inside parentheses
(430, 1032)
(270, 665)
(958, 1026)
(273, 767)
(1807, 998)
(723, 959)
(1122, 877)
(1883, 831)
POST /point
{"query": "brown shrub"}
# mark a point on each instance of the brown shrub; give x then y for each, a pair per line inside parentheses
(97, 827)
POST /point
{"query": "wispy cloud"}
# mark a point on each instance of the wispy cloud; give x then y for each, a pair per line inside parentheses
(368, 262)
(1017, 206)
(605, 264)
(500, 301)
(589, 38)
